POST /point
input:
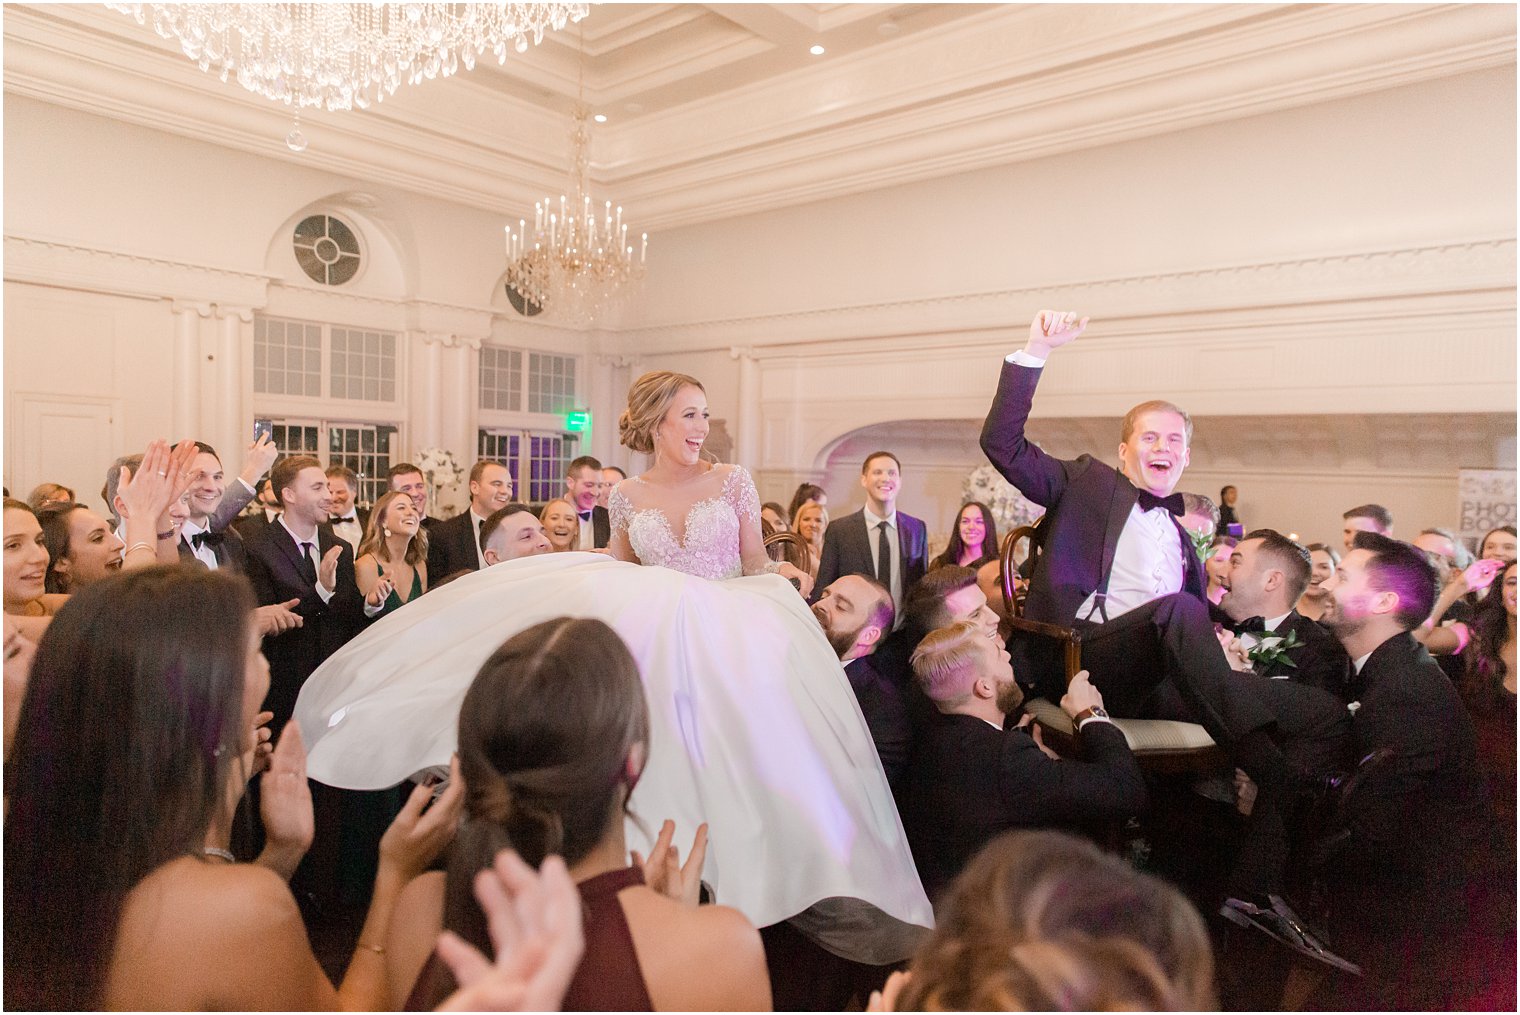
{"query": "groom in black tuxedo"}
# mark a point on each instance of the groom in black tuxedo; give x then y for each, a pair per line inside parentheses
(1118, 567)
(878, 540)
(455, 545)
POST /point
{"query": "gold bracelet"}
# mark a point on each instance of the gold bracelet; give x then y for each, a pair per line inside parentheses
(139, 545)
(377, 949)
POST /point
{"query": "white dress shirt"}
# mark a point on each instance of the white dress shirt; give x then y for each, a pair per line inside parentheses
(188, 531)
(894, 550)
(313, 550)
(349, 530)
(588, 530)
(1147, 565)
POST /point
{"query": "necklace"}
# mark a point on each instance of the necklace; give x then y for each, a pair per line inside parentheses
(225, 854)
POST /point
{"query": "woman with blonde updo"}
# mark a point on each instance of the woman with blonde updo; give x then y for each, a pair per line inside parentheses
(752, 727)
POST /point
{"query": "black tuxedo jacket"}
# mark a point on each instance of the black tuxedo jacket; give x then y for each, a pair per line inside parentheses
(451, 547)
(969, 781)
(881, 700)
(1086, 506)
(227, 547)
(275, 574)
(1319, 661)
(250, 526)
(847, 550)
(1420, 819)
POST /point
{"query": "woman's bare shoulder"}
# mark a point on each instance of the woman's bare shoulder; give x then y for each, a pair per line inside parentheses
(671, 939)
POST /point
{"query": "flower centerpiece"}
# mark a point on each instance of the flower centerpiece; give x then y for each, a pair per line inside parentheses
(442, 472)
(1010, 509)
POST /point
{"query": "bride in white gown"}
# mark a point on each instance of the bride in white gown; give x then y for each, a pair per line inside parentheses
(754, 728)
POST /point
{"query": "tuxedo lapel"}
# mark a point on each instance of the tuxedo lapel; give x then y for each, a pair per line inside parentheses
(1119, 505)
(863, 544)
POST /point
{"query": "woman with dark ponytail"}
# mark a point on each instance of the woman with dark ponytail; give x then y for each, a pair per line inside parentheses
(553, 735)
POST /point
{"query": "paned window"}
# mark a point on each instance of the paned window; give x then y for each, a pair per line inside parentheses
(363, 365)
(367, 448)
(551, 383)
(313, 360)
(540, 457)
(287, 357)
(501, 379)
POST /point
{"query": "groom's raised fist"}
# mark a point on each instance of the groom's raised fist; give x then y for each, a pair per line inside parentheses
(1052, 329)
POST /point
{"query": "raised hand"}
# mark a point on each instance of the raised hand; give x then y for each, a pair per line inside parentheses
(1480, 574)
(327, 573)
(417, 836)
(665, 873)
(261, 455)
(1052, 329)
(163, 478)
(382, 589)
(534, 919)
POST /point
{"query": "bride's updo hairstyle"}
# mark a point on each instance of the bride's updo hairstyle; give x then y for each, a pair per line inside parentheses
(544, 736)
(648, 400)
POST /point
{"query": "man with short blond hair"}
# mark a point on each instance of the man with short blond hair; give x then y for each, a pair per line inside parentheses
(971, 778)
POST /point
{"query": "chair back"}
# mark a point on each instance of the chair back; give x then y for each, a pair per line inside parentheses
(789, 548)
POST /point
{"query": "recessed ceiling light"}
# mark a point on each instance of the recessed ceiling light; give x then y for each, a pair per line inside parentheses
(600, 118)
(816, 51)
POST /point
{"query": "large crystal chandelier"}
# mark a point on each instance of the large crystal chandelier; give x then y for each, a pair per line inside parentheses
(338, 56)
(580, 260)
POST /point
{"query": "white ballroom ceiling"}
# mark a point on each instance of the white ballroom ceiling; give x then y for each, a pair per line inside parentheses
(717, 110)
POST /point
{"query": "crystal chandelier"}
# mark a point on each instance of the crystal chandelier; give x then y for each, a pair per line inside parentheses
(580, 261)
(338, 56)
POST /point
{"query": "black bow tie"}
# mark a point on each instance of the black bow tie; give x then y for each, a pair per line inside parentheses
(212, 539)
(335, 519)
(1251, 625)
(1173, 503)
(585, 516)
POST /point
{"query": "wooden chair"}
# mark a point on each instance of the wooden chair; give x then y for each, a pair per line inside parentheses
(1159, 745)
(788, 547)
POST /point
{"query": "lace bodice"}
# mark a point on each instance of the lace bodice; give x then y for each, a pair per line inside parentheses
(711, 541)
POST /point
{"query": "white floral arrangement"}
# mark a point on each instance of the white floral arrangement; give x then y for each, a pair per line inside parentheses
(1010, 509)
(443, 473)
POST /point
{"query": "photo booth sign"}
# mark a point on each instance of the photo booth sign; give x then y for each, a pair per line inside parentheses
(1485, 501)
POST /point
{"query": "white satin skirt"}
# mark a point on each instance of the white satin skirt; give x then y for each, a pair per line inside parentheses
(753, 729)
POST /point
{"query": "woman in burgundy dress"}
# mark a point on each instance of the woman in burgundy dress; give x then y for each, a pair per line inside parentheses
(553, 735)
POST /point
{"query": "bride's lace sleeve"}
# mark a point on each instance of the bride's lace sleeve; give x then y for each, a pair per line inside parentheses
(621, 512)
(739, 490)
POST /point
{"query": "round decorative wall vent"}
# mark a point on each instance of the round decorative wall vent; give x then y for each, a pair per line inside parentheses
(326, 249)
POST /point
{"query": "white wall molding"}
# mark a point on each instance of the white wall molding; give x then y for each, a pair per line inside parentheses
(121, 273)
(1479, 272)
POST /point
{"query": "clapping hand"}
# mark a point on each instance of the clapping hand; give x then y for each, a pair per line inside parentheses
(1052, 329)
(534, 919)
(285, 804)
(327, 573)
(381, 591)
(420, 832)
(885, 999)
(162, 479)
(665, 873)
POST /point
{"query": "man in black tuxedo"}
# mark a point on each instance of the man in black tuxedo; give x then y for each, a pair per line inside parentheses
(583, 485)
(1117, 566)
(250, 525)
(454, 545)
(408, 479)
(1410, 883)
(856, 614)
(217, 549)
(348, 519)
(890, 545)
(297, 557)
(971, 778)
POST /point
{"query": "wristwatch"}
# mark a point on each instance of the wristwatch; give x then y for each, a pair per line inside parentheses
(1096, 712)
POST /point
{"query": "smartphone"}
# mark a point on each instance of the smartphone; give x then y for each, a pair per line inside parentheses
(262, 428)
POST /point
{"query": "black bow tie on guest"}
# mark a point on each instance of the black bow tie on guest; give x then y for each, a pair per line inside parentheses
(585, 516)
(335, 519)
(1173, 503)
(212, 539)
(1251, 625)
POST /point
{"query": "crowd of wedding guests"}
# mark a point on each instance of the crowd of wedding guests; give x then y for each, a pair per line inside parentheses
(165, 850)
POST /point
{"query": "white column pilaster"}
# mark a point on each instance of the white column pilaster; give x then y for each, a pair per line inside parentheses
(747, 440)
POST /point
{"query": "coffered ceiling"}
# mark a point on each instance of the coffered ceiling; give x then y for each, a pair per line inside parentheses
(716, 110)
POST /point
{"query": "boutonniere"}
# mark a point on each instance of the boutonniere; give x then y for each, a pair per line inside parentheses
(1201, 543)
(1274, 649)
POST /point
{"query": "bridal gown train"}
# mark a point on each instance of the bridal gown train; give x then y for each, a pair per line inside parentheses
(753, 726)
